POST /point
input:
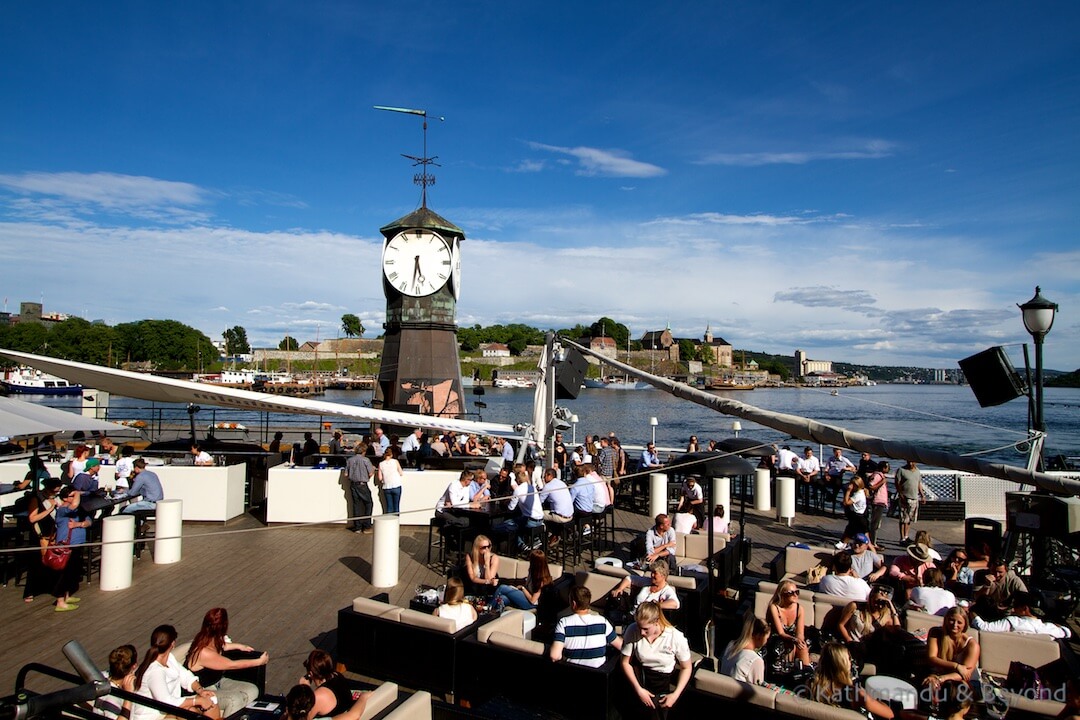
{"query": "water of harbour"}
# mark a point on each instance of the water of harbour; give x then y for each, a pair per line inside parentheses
(941, 416)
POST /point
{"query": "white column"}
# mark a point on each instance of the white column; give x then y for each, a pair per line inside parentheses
(168, 523)
(785, 498)
(117, 552)
(384, 554)
(762, 480)
(721, 494)
(657, 494)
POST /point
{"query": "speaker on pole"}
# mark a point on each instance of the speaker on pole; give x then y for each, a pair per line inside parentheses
(569, 374)
(992, 377)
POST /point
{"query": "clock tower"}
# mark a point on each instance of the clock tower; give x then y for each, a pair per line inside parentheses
(421, 278)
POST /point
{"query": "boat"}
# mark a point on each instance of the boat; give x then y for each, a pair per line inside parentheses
(730, 386)
(514, 383)
(28, 381)
(616, 384)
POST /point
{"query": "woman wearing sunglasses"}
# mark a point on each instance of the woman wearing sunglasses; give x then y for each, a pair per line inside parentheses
(788, 623)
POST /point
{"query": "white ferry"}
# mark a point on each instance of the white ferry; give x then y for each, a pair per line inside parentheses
(27, 381)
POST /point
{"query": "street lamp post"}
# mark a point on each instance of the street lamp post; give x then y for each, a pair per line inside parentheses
(736, 427)
(1038, 314)
(574, 422)
(653, 422)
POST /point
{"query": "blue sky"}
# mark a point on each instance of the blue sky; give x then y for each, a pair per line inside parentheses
(868, 182)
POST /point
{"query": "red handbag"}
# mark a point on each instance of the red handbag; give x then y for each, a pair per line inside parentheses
(56, 556)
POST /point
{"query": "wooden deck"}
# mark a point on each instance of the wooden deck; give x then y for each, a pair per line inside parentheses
(283, 587)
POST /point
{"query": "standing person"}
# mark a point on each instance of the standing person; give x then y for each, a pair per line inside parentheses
(162, 678)
(124, 467)
(605, 459)
(855, 507)
(582, 637)
(70, 528)
(507, 453)
(359, 471)
(742, 657)
(878, 489)
(146, 485)
(909, 490)
(808, 470)
(692, 500)
(206, 657)
(656, 657)
(390, 476)
(41, 514)
(311, 447)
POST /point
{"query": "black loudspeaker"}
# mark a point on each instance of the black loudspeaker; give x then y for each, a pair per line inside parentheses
(569, 373)
(992, 377)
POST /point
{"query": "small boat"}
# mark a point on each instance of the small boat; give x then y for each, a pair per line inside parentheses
(514, 383)
(617, 384)
(730, 386)
(27, 381)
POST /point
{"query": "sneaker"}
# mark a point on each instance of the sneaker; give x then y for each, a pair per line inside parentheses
(366, 531)
(587, 530)
(905, 542)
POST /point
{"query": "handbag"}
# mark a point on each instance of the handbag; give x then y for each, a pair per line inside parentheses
(1024, 680)
(56, 556)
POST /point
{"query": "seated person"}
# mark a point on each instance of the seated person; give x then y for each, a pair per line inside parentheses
(742, 657)
(87, 480)
(526, 596)
(162, 678)
(787, 621)
(482, 566)
(842, 580)
(996, 589)
(832, 684)
(866, 563)
(332, 692)
(556, 497)
(207, 658)
(454, 606)
(717, 523)
(456, 496)
(1022, 620)
(480, 487)
(908, 569)
(145, 485)
(931, 597)
(122, 663)
(655, 588)
(959, 577)
(685, 523)
(858, 621)
(525, 500)
(203, 458)
(660, 542)
(582, 637)
(952, 655)
(300, 701)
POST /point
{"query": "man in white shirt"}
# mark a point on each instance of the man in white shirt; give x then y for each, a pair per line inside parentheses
(842, 581)
(693, 501)
(1021, 620)
(411, 447)
(456, 495)
(381, 442)
(660, 541)
(808, 471)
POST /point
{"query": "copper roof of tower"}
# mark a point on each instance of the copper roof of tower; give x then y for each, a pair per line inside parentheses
(422, 218)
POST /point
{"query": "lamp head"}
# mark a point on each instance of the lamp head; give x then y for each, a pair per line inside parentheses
(1038, 314)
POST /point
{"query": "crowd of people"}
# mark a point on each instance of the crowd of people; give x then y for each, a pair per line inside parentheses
(61, 514)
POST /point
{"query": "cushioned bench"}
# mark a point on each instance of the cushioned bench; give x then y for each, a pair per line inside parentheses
(707, 688)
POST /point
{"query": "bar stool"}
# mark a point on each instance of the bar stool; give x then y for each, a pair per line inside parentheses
(141, 533)
(453, 544)
(533, 537)
(435, 524)
(581, 539)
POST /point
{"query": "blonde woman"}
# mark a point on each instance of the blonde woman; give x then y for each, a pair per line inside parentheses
(857, 623)
(656, 657)
(482, 565)
(788, 622)
(742, 657)
(454, 606)
(832, 684)
(952, 654)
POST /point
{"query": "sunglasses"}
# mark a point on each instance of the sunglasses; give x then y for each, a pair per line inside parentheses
(789, 593)
(485, 547)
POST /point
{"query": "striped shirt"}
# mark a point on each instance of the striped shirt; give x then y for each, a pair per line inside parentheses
(584, 638)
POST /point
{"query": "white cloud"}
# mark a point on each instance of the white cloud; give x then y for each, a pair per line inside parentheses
(609, 163)
(869, 150)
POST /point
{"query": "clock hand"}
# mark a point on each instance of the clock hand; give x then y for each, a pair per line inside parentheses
(417, 276)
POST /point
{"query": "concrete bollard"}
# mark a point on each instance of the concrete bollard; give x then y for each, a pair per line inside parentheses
(785, 499)
(721, 494)
(384, 555)
(658, 502)
(762, 489)
(118, 552)
(168, 523)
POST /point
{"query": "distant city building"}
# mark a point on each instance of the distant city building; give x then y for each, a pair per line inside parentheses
(941, 375)
(717, 351)
(494, 350)
(31, 312)
(309, 346)
(657, 340)
(804, 366)
(604, 345)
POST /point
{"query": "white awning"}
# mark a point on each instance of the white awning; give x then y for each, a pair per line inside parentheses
(20, 419)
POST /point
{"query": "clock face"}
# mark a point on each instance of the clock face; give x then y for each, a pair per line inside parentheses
(455, 284)
(417, 262)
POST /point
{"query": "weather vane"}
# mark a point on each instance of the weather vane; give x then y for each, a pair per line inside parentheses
(423, 178)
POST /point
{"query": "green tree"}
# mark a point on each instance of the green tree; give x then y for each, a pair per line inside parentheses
(351, 325)
(236, 341)
(25, 337)
(775, 367)
(168, 344)
(687, 350)
(606, 327)
(288, 343)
